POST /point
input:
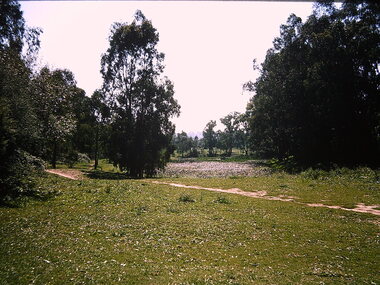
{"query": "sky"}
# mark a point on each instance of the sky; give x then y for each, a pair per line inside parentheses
(209, 46)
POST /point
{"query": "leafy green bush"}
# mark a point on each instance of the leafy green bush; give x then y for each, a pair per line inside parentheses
(287, 164)
(360, 173)
(17, 176)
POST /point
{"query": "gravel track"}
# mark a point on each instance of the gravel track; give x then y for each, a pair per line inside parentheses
(206, 169)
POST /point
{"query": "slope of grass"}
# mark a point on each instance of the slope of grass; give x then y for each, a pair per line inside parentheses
(344, 190)
(134, 232)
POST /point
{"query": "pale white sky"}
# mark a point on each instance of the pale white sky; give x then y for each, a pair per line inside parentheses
(209, 46)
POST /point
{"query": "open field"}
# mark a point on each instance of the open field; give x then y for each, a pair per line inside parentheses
(123, 231)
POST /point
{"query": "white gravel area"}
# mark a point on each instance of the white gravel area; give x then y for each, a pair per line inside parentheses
(206, 169)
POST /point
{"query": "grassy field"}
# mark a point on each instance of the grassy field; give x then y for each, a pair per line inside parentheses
(119, 231)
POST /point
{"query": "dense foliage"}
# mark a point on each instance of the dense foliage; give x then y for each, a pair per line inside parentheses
(140, 98)
(317, 97)
(16, 117)
(42, 112)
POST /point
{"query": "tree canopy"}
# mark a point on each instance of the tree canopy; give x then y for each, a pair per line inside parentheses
(317, 97)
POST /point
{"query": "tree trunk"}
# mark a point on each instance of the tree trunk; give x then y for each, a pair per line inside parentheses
(96, 147)
(54, 157)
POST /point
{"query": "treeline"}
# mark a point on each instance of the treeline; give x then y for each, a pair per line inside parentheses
(235, 135)
(45, 117)
(317, 99)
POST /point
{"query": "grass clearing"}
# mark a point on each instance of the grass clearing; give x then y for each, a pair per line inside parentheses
(339, 190)
(119, 231)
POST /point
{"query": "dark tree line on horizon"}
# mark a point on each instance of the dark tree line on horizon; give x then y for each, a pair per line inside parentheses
(316, 100)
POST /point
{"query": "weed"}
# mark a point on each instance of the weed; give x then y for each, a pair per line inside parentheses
(186, 198)
(141, 210)
(314, 174)
(222, 200)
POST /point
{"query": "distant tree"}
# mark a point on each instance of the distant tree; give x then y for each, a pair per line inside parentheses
(209, 137)
(183, 143)
(231, 123)
(101, 114)
(140, 98)
(222, 141)
(82, 137)
(317, 97)
(195, 144)
(242, 133)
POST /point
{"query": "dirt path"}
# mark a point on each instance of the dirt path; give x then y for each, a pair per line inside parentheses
(68, 173)
(360, 208)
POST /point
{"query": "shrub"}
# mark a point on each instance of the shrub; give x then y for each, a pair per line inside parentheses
(186, 199)
(287, 164)
(222, 200)
(17, 176)
(71, 158)
(34, 162)
(315, 174)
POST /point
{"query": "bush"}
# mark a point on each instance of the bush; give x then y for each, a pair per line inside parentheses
(222, 200)
(193, 153)
(361, 173)
(17, 176)
(71, 158)
(287, 164)
(34, 162)
(314, 174)
(186, 198)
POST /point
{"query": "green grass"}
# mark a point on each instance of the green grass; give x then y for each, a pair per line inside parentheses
(342, 190)
(134, 232)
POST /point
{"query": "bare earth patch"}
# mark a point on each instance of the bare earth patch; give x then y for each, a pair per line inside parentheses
(68, 173)
(224, 169)
(360, 208)
(205, 169)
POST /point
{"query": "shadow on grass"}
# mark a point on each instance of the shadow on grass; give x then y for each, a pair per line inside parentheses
(105, 175)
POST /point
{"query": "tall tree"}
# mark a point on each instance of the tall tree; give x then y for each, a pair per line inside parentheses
(141, 99)
(54, 92)
(17, 114)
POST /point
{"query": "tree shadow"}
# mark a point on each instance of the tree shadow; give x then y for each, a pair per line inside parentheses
(105, 175)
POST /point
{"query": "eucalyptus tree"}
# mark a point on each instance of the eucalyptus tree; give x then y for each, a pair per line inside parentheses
(140, 97)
